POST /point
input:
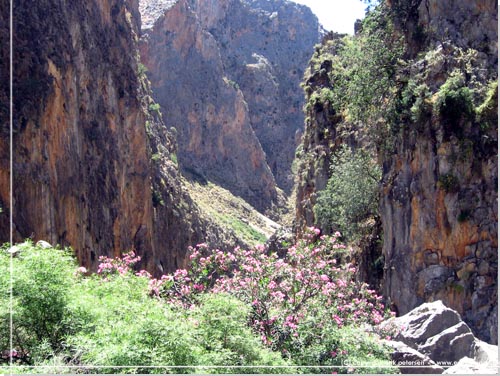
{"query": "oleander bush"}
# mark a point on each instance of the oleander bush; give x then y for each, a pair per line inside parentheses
(246, 311)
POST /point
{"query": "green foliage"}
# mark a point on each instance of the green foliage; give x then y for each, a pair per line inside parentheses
(114, 322)
(454, 100)
(173, 158)
(128, 328)
(157, 199)
(345, 346)
(141, 70)
(417, 97)
(41, 313)
(351, 195)
(154, 107)
(365, 68)
(487, 112)
(63, 318)
(227, 340)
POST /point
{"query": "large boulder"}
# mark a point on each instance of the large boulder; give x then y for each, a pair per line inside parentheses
(411, 361)
(433, 337)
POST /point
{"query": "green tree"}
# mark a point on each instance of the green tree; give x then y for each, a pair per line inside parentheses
(351, 196)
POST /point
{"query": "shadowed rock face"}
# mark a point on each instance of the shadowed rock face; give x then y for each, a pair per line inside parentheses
(81, 164)
(84, 140)
(227, 74)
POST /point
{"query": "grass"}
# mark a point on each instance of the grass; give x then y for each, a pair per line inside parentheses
(232, 212)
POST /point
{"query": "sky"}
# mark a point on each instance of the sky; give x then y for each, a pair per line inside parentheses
(336, 15)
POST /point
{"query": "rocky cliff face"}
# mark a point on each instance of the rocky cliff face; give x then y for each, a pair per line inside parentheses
(322, 136)
(265, 47)
(81, 165)
(94, 166)
(222, 72)
(215, 137)
(439, 198)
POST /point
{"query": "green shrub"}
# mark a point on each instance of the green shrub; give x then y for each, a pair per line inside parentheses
(228, 341)
(128, 328)
(487, 112)
(42, 279)
(343, 347)
(351, 195)
(454, 100)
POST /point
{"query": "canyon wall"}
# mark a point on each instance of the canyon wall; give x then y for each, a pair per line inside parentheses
(438, 193)
(94, 166)
(81, 163)
(227, 75)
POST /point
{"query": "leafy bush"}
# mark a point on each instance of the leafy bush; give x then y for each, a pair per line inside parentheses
(128, 328)
(487, 112)
(351, 195)
(41, 313)
(228, 341)
(243, 312)
(454, 100)
(293, 300)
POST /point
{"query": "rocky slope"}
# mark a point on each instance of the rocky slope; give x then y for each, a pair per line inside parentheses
(224, 76)
(94, 166)
(438, 196)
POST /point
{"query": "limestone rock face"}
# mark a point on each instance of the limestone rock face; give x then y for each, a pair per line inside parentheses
(436, 335)
(265, 47)
(227, 75)
(215, 136)
(439, 198)
(94, 164)
(81, 164)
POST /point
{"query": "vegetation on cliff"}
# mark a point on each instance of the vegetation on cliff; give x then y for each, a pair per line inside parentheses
(412, 97)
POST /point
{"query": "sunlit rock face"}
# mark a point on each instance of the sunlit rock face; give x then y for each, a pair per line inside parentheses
(227, 75)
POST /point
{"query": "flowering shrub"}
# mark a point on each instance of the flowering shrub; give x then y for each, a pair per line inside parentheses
(123, 265)
(293, 299)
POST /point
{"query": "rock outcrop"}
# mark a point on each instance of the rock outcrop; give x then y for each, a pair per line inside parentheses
(439, 197)
(227, 75)
(432, 338)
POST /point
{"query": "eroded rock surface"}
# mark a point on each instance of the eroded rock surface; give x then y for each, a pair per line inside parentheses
(437, 339)
(439, 198)
(227, 75)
